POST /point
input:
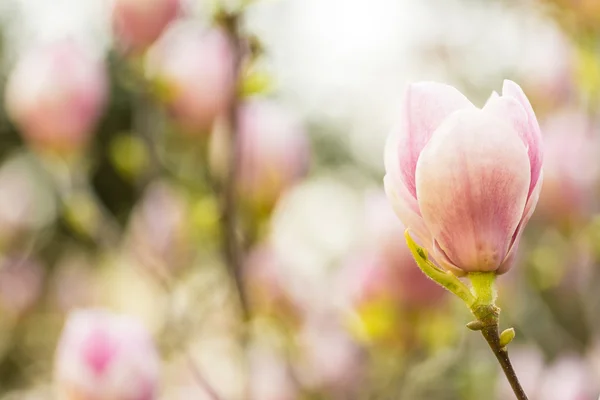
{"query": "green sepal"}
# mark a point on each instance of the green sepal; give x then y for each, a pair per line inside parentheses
(444, 278)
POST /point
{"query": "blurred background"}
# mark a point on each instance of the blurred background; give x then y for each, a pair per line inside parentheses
(293, 281)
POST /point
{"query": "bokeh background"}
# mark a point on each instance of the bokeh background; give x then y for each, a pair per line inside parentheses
(131, 214)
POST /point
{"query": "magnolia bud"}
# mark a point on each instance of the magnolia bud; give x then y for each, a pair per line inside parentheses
(465, 180)
(103, 356)
(273, 152)
(193, 70)
(56, 94)
(138, 23)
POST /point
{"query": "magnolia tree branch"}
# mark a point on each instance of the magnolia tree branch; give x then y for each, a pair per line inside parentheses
(229, 209)
(491, 335)
(232, 247)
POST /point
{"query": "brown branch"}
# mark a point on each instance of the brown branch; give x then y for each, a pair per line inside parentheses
(229, 206)
(491, 335)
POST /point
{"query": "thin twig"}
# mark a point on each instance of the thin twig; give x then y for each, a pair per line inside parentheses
(232, 249)
(229, 217)
(492, 336)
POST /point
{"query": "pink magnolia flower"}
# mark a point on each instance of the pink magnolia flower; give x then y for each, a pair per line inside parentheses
(102, 356)
(465, 180)
(56, 94)
(138, 23)
(193, 67)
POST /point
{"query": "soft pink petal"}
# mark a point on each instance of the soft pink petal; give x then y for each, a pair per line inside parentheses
(392, 169)
(401, 202)
(533, 138)
(442, 259)
(472, 184)
(426, 105)
(529, 209)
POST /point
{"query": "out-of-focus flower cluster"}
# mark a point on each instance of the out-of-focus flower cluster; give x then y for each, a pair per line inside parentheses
(117, 280)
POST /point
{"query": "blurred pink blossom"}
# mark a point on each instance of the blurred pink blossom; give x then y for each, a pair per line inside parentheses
(138, 23)
(274, 151)
(55, 95)
(103, 356)
(571, 168)
(193, 69)
(465, 180)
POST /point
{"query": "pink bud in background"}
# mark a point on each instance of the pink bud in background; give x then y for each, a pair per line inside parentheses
(56, 94)
(571, 168)
(138, 23)
(274, 151)
(465, 180)
(103, 356)
(193, 69)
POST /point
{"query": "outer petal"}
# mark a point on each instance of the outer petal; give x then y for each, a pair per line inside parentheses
(442, 259)
(529, 209)
(533, 137)
(403, 202)
(426, 105)
(472, 184)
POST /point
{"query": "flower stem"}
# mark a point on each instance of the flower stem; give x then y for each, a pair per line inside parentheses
(491, 335)
(488, 316)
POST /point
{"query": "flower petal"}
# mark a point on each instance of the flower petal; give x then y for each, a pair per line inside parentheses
(472, 184)
(529, 209)
(426, 105)
(402, 203)
(533, 137)
(442, 259)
